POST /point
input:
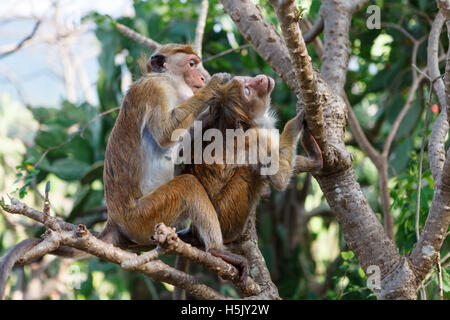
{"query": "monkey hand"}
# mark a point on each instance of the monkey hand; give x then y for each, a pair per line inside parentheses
(214, 88)
(219, 79)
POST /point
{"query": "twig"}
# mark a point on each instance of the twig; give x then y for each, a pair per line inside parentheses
(439, 275)
(133, 35)
(23, 41)
(314, 31)
(244, 46)
(200, 29)
(399, 28)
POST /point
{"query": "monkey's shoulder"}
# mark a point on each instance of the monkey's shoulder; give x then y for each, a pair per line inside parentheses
(153, 86)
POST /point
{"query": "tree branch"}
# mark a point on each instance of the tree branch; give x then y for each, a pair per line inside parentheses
(314, 30)
(133, 35)
(61, 233)
(23, 41)
(287, 14)
(200, 29)
(436, 144)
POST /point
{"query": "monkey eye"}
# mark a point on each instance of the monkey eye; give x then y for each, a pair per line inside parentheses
(246, 91)
(192, 62)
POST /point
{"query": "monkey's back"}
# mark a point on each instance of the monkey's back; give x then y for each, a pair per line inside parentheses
(131, 150)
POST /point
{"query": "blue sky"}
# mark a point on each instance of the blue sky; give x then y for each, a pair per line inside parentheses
(37, 67)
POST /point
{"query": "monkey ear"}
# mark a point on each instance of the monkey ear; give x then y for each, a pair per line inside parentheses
(148, 67)
(157, 63)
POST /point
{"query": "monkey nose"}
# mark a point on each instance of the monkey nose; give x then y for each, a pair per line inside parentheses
(260, 78)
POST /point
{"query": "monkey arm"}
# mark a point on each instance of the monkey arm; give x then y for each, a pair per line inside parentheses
(165, 120)
(162, 123)
(287, 151)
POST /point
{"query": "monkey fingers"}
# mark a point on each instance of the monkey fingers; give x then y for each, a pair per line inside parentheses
(220, 78)
(236, 261)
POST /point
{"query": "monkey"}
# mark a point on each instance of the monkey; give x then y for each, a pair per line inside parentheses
(139, 184)
(140, 188)
(234, 189)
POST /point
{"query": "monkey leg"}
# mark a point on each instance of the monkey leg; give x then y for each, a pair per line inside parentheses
(180, 198)
(187, 235)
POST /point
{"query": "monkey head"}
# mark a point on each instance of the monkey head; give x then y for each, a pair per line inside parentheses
(255, 94)
(243, 99)
(179, 61)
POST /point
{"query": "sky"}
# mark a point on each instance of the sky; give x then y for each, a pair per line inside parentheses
(37, 68)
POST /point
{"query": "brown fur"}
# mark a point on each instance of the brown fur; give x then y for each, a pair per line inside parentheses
(233, 189)
(171, 49)
(135, 213)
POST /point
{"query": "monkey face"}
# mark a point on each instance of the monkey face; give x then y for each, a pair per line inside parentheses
(255, 93)
(179, 64)
(186, 65)
(192, 76)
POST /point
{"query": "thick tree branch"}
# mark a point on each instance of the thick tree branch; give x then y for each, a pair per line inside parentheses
(311, 33)
(434, 232)
(362, 230)
(264, 38)
(436, 145)
(337, 15)
(287, 14)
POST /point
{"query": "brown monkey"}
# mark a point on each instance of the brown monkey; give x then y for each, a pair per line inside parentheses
(140, 188)
(235, 189)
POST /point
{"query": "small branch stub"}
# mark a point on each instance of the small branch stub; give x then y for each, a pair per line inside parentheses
(81, 230)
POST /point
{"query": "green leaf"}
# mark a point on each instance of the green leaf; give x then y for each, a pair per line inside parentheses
(94, 172)
(347, 255)
(445, 280)
(69, 169)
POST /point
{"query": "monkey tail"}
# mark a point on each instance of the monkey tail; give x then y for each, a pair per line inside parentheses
(10, 259)
(182, 264)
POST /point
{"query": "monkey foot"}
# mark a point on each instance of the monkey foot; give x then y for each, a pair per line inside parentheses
(235, 260)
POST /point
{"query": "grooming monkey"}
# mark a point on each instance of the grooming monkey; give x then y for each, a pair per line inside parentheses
(140, 188)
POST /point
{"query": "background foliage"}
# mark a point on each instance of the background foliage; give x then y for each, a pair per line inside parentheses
(298, 235)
